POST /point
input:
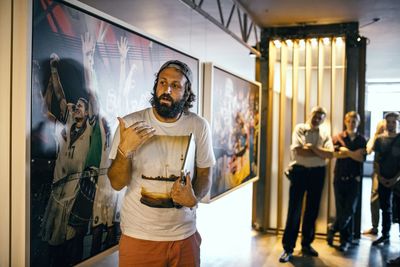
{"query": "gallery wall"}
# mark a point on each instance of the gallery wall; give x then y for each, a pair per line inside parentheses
(5, 72)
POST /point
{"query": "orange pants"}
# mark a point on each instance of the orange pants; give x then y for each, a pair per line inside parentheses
(138, 252)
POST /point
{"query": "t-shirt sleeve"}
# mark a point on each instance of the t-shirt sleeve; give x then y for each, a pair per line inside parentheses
(204, 150)
(363, 142)
(298, 137)
(377, 149)
(364, 146)
(328, 144)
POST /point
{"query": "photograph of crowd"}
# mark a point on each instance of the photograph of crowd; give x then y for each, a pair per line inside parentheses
(86, 71)
(235, 130)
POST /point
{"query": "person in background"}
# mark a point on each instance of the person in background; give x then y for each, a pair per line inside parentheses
(311, 145)
(350, 151)
(65, 240)
(160, 230)
(387, 166)
(380, 129)
(396, 200)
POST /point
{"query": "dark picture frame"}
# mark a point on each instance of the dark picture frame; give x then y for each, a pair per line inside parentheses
(83, 59)
(232, 107)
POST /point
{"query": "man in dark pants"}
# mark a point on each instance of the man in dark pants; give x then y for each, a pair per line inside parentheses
(350, 153)
(386, 165)
(311, 145)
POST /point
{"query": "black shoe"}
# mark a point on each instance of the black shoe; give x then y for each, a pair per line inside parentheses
(385, 239)
(393, 262)
(354, 242)
(309, 251)
(329, 237)
(372, 231)
(285, 256)
(344, 247)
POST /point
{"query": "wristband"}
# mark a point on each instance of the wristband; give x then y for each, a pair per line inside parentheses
(122, 153)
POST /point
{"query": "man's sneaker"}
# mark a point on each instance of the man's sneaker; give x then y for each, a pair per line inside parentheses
(393, 262)
(385, 239)
(354, 242)
(285, 256)
(372, 231)
(329, 237)
(309, 251)
(344, 247)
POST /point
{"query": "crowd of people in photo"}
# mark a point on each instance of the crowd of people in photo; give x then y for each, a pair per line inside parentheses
(311, 146)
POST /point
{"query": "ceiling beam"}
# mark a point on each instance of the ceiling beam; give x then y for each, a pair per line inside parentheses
(245, 30)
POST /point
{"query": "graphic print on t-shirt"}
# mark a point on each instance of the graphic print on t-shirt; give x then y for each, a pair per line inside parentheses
(162, 158)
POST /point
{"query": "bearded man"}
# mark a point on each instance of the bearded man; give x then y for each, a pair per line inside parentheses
(158, 216)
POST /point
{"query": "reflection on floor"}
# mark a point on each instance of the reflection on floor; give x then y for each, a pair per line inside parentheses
(229, 241)
(263, 250)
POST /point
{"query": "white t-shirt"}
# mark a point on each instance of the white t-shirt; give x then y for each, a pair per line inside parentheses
(303, 134)
(160, 158)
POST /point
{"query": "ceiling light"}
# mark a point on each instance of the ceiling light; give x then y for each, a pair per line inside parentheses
(326, 40)
(289, 43)
(339, 41)
(314, 42)
(302, 43)
(277, 43)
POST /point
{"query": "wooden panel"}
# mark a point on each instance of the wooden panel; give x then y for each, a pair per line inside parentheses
(331, 198)
(301, 92)
(5, 95)
(271, 220)
(320, 72)
(295, 81)
(307, 107)
(20, 104)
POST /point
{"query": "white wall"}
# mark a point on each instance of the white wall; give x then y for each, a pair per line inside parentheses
(381, 97)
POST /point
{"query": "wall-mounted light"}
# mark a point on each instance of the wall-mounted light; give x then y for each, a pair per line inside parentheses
(251, 54)
(254, 51)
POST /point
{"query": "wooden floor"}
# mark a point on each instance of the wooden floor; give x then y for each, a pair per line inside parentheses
(235, 244)
(263, 250)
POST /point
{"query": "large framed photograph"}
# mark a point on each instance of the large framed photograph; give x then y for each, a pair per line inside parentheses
(232, 107)
(87, 69)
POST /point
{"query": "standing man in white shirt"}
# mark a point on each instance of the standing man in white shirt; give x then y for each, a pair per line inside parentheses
(311, 145)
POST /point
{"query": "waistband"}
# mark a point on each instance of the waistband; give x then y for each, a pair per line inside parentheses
(305, 167)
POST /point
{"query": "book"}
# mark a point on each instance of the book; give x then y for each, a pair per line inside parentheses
(188, 164)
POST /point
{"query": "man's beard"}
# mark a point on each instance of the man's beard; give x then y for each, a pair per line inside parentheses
(166, 111)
